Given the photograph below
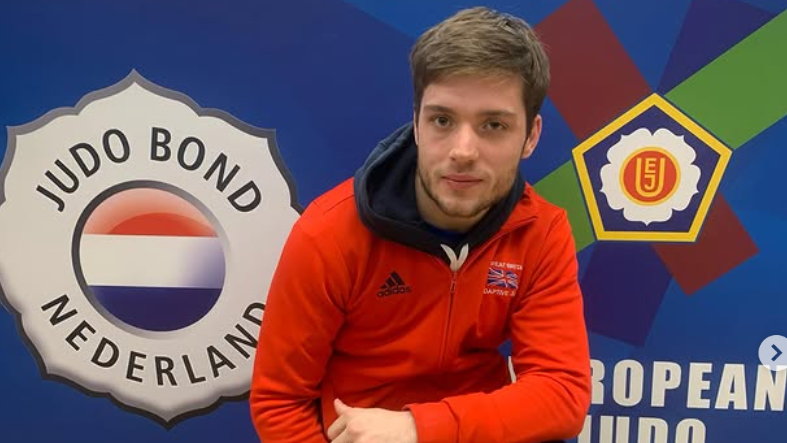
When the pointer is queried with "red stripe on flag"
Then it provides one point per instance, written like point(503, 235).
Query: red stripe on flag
point(174, 225)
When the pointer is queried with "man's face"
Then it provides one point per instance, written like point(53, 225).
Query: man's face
point(471, 133)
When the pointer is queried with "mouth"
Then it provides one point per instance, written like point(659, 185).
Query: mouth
point(461, 181)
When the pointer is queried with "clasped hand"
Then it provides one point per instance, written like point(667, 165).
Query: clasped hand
point(371, 425)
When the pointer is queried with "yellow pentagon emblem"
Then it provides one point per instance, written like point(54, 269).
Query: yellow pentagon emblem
point(650, 175)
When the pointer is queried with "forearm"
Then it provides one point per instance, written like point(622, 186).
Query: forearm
point(285, 420)
point(535, 409)
point(284, 394)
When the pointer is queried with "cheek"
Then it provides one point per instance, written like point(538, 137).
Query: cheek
point(424, 161)
point(502, 162)
point(429, 155)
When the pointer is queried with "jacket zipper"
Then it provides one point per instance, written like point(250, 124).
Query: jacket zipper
point(446, 328)
point(452, 289)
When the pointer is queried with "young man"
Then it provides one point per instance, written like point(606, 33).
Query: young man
point(396, 289)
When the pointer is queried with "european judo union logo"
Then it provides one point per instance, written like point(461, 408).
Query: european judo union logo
point(650, 175)
point(140, 233)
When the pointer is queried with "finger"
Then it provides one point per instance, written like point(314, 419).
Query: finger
point(344, 437)
point(340, 407)
point(337, 427)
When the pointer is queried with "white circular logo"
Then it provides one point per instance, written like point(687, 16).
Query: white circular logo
point(649, 176)
point(140, 234)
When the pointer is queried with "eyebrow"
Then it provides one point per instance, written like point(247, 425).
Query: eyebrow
point(486, 113)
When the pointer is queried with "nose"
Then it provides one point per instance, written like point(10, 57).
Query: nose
point(464, 148)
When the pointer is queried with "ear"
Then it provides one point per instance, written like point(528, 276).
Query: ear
point(415, 126)
point(532, 138)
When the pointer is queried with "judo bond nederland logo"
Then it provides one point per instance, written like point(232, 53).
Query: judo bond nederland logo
point(650, 175)
point(140, 233)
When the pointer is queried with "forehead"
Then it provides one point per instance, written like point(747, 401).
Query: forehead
point(476, 93)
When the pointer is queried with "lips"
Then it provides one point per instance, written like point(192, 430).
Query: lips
point(461, 181)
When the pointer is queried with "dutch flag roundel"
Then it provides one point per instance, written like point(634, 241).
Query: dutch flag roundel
point(151, 259)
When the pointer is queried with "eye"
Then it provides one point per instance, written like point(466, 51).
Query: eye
point(495, 125)
point(441, 121)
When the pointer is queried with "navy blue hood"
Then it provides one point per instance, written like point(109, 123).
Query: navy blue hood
point(385, 198)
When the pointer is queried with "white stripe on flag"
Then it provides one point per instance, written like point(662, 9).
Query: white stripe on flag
point(152, 261)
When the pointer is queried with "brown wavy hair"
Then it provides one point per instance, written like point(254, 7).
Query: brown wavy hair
point(482, 41)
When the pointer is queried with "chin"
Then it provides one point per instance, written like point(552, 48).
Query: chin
point(461, 209)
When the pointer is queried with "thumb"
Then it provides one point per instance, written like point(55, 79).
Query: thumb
point(340, 407)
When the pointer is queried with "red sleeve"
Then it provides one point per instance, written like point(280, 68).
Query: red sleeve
point(303, 314)
point(551, 396)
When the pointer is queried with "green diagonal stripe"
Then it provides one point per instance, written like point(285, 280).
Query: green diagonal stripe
point(744, 91)
point(561, 187)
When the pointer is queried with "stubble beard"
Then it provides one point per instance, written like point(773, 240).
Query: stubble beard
point(457, 207)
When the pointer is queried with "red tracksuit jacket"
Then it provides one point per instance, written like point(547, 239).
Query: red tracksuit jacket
point(378, 323)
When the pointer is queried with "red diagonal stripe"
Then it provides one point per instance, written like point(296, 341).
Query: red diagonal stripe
point(593, 78)
point(722, 246)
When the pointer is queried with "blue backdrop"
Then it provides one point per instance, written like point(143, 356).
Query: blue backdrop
point(331, 78)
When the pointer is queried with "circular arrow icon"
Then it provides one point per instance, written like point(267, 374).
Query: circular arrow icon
point(773, 352)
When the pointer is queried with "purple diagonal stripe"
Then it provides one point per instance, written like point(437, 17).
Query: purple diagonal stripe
point(711, 28)
point(623, 287)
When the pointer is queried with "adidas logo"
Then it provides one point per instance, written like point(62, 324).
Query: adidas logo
point(393, 285)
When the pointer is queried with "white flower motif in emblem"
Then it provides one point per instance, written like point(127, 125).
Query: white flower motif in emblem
point(650, 176)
